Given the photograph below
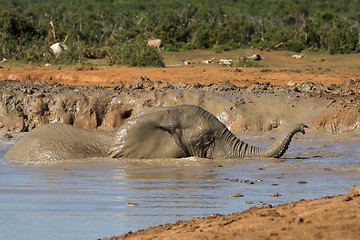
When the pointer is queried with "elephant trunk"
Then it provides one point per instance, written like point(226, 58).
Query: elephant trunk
point(235, 148)
point(277, 149)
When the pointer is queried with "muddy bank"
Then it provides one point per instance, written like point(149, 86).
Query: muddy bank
point(258, 107)
point(307, 219)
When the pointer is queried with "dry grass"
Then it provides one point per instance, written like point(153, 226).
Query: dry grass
point(311, 62)
point(314, 62)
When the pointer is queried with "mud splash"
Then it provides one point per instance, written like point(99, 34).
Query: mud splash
point(259, 107)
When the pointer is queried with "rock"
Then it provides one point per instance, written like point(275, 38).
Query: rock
point(131, 204)
point(7, 136)
point(354, 191)
point(236, 195)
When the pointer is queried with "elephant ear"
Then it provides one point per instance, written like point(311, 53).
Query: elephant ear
point(147, 137)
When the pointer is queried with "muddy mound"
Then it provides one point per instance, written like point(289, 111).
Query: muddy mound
point(258, 107)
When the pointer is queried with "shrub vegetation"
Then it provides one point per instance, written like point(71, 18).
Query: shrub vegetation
point(118, 29)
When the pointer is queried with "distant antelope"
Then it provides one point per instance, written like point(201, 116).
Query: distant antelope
point(157, 43)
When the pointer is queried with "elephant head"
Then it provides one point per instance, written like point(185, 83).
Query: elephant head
point(188, 130)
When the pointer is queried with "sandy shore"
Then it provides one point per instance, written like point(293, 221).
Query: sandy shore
point(336, 217)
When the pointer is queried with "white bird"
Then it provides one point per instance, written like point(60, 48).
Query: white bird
point(58, 48)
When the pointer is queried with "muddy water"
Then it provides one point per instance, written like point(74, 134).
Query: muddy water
point(103, 197)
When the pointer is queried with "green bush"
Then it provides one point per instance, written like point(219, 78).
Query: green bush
point(135, 54)
point(111, 29)
point(18, 35)
point(74, 55)
point(16, 27)
point(294, 45)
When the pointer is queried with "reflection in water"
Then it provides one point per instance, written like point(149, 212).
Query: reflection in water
point(104, 197)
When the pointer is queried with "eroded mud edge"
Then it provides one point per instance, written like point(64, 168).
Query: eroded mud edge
point(259, 107)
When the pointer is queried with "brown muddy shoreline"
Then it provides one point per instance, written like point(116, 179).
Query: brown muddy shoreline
point(257, 107)
point(336, 217)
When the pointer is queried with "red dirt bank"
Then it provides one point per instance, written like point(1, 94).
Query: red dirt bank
point(108, 76)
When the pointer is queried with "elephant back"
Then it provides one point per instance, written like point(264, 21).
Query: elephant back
point(59, 142)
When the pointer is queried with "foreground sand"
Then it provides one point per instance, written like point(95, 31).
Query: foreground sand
point(325, 218)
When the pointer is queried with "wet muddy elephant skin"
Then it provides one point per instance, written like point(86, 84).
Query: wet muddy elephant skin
point(59, 142)
point(188, 130)
point(169, 132)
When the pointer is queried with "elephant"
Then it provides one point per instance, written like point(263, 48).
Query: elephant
point(164, 132)
point(57, 142)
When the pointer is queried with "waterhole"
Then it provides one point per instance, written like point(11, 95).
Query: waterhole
point(104, 197)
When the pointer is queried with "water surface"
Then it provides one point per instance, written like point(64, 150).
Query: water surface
point(89, 200)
